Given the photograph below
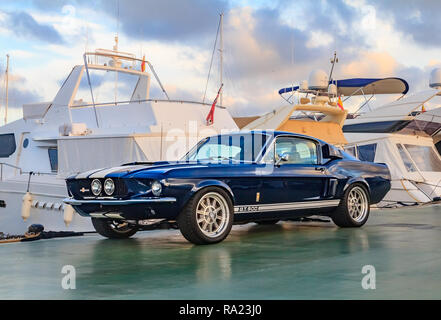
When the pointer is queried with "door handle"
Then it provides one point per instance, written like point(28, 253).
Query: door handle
point(321, 169)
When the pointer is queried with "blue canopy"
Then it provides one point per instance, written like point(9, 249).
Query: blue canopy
point(348, 87)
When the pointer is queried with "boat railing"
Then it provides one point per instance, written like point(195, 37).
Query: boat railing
point(116, 103)
point(20, 170)
point(3, 164)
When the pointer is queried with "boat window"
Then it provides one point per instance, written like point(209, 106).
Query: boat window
point(407, 161)
point(7, 145)
point(351, 151)
point(107, 86)
point(238, 147)
point(53, 159)
point(367, 152)
point(300, 151)
point(424, 157)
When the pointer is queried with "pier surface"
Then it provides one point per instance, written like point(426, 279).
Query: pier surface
point(290, 260)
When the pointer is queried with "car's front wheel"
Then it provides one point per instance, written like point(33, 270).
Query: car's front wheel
point(208, 217)
point(354, 208)
point(113, 229)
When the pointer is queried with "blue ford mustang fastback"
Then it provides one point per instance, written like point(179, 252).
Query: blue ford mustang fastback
point(242, 177)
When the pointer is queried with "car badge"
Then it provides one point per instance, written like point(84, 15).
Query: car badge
point(83, 190)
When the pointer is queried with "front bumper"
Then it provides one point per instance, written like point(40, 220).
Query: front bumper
point(111, 202)
point(130, 209)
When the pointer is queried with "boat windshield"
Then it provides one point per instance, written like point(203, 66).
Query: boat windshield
point(108, 86)
point(232, 147)
point(424, 157)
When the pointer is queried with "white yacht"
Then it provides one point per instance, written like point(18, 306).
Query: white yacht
point(102, 116)
point(400, 134)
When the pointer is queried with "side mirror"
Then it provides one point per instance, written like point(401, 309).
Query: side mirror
point(329, 152)
point(282, 158)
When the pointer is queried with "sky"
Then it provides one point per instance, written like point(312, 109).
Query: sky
point(268, 45)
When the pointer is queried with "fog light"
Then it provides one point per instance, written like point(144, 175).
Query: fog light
point(109, 187)
point(156, 188)
point(96, 187)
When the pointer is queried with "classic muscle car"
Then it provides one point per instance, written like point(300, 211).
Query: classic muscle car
point(228, 179)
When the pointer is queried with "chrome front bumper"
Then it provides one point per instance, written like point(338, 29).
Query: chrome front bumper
point(111, 202)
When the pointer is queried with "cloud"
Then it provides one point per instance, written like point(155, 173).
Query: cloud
point(370, 64)
point(418, 18)
point(24, 25)
point(172, 20)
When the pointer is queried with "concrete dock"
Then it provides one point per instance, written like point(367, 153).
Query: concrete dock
point(290, 260)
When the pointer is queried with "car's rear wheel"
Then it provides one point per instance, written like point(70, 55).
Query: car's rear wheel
point(113, 229)
point(354, 208)
point(208, 217)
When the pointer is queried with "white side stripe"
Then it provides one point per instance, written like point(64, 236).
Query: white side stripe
point(286, 206)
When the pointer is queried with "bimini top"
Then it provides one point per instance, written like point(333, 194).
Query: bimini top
point(361, 86)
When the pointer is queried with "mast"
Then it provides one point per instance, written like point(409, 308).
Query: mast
point(333, 62)
point(7, 88)
point(221, 52)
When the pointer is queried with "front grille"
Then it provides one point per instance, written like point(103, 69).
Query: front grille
point(80, 188)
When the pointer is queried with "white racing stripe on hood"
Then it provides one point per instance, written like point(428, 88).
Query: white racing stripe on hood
point(85, 175)
point(104, 172)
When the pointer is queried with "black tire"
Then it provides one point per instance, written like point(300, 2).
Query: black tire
point(108, 228)
point(342, 216)
point(267, 222)
point(188, 218)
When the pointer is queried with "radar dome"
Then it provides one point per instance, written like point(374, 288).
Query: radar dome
point(435, 78)
point(318, 80)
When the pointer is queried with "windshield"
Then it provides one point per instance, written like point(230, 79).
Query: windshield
point(424, 157)
point(235, 147)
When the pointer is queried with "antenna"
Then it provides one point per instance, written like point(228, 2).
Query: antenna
point(221, 51)
point(7, 88)
point(334, 60)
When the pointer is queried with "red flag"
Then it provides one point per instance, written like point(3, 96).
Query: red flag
point(210, 117)
point(143, 64)
point(340, 103)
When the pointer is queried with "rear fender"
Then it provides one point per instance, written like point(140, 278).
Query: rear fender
point(357, 180)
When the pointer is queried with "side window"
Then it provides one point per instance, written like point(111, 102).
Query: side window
point(407, 161)
point(7, 145)
point(53, 159)
point(300, 151)
point(367, 152)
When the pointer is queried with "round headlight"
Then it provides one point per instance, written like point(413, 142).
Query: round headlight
point(109, 187)
point(156, 188)
point(96, 187)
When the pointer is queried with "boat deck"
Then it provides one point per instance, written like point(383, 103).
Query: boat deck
point(290, 260)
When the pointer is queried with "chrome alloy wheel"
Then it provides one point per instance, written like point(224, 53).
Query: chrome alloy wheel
point(212, 214)
point(358, 205)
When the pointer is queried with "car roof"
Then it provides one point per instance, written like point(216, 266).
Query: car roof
point(276, 133)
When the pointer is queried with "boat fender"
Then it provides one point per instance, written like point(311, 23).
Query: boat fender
point(26, 206)
point(68, 214)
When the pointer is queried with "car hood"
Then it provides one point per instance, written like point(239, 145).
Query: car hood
point(161, 170)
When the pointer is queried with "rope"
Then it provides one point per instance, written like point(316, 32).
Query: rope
point(404, 187)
